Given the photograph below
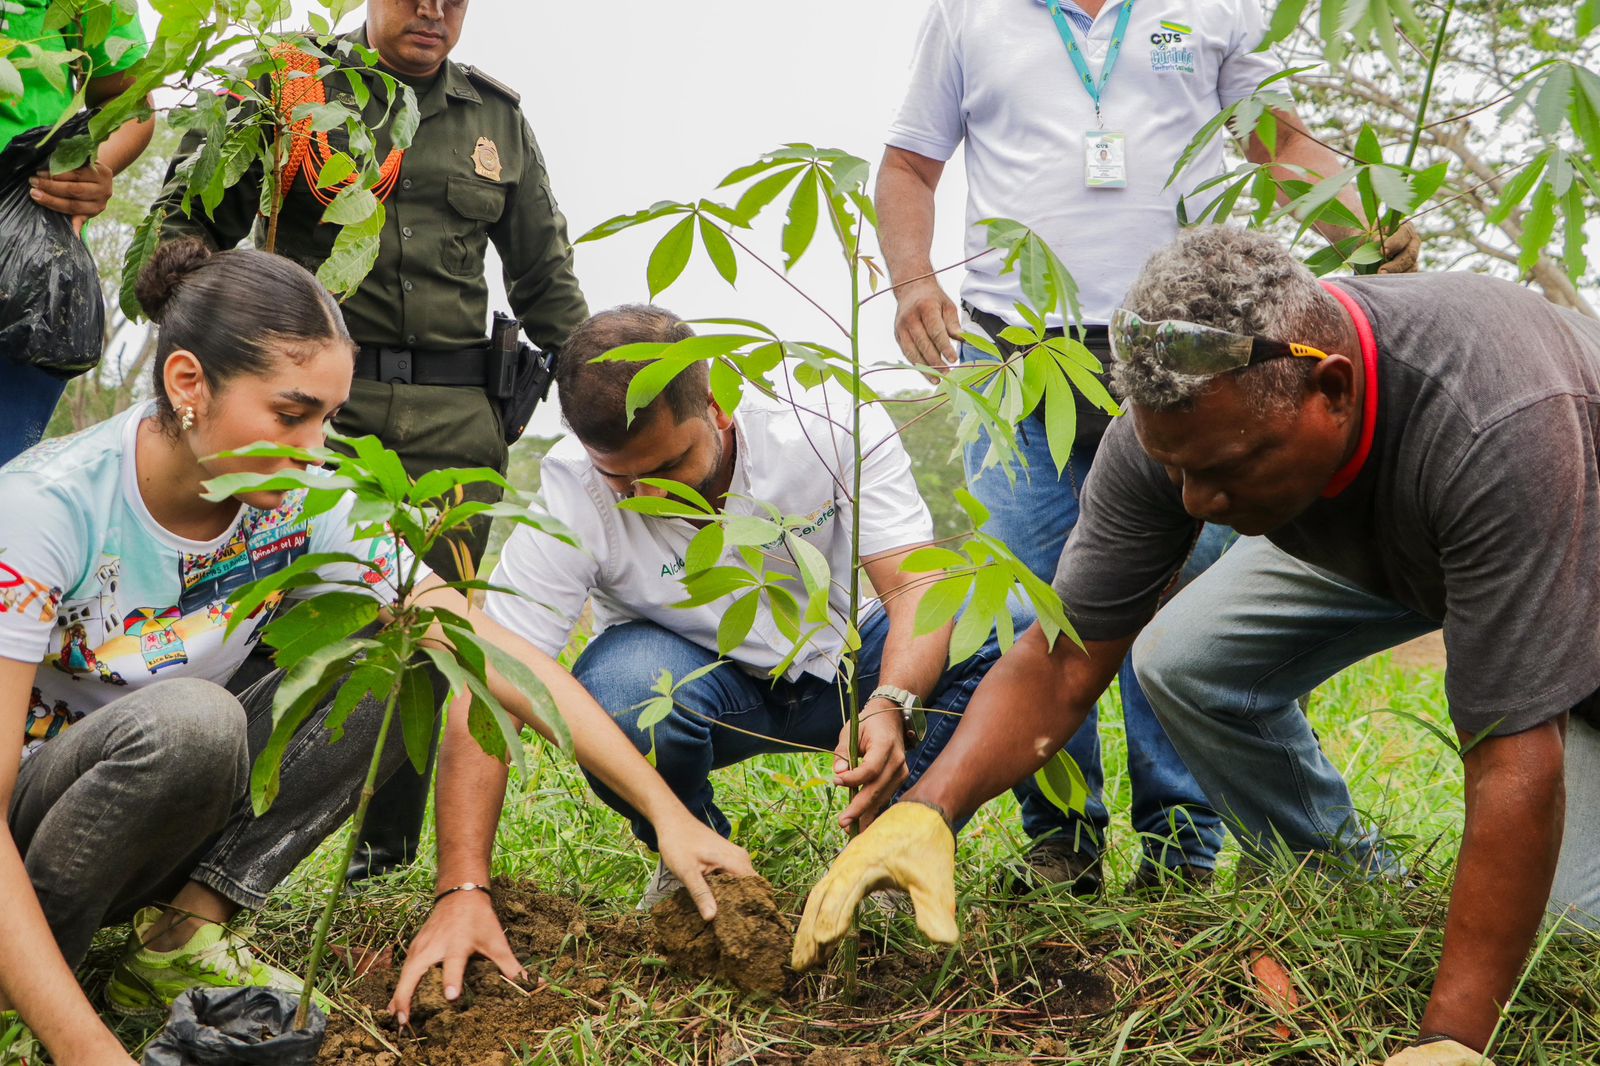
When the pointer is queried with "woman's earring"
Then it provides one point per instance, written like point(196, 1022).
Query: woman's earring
point(186, 420)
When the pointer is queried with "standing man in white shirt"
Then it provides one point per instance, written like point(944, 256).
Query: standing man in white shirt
point(1074, 113)
point(629, 565)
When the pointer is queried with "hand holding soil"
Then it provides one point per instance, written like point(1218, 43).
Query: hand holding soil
point(692, 850)
point(745, 944)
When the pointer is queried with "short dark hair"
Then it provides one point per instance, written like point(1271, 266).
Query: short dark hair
point(235, 311)
point(594, 396)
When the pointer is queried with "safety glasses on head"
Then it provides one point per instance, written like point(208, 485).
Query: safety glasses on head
point(1190, 348)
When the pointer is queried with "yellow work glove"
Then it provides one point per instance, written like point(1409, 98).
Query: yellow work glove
point(909, 847)
point(1439, 1053)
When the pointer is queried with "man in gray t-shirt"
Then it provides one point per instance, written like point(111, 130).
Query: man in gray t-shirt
point(1401, 454)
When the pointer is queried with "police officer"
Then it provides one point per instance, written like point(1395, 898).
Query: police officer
point(472, 175)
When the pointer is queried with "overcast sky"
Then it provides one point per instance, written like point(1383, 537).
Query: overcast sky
point(635, 102)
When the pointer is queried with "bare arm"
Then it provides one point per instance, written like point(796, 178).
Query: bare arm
point(34, 979)
point(1025, 709)
point(914, 663)
point(1515, 802)
point(927, 324)
point(84, 193)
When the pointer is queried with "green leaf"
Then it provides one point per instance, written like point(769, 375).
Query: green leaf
point(1393, 188)
point(418, 714)
point(1285, 20)
point(736, 621)
point(1538, 227)
point(335, 170)
point(941, 601)
point(758, 196)
point(146, 238)
point(1063, 784)
point(354, 205)
point(653, 711)
point(1518, 188)
point(248, 599)
point(354, 252)
point(720, 250)
point(727, 385)
point(1550, 106)
point(801, 224)
point(752, 531)
point(618, 223)
point(669, 258)
point(648, 383)
point(298, 694)
point(521, 678)
point(976, 511)
point(924, 560)
point(712, 584)
point(314, 622)
point(705, 550)
point(1060, 420)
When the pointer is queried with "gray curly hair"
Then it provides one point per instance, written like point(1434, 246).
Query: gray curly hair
point(1242, 281)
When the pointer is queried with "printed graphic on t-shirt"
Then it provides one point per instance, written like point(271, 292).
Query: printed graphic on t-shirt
point(1171, 49)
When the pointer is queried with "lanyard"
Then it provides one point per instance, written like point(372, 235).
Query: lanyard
point(1075, 53)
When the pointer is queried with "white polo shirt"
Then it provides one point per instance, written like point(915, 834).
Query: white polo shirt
point(631, 564)
point(996, 74)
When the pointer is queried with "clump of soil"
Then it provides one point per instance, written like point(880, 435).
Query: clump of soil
point(747, 944)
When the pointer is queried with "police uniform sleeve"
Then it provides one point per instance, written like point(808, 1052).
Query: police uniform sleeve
point(232, 219)
point(531, 237)
point(1132, 537)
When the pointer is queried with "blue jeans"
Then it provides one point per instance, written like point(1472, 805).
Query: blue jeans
point(30, 399)
point(620, 666)
point(1225, 665)
point(1034, 518)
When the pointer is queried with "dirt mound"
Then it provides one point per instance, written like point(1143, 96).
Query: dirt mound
point(570, 962)
point(747, 944)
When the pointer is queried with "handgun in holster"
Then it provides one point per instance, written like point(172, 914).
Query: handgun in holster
point(519, 375)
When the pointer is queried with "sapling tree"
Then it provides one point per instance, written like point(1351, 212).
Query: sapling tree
point(373, 639)
point(748, 553)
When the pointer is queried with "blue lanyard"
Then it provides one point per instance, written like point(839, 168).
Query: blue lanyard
point(1075, 53)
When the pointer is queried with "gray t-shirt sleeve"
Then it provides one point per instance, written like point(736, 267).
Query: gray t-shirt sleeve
point(1519, 555)
point(1132, 536)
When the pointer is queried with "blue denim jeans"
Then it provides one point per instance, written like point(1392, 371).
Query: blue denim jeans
point(727, 715)
point(1034, 518)
point(31, 398)
point(1225, 665)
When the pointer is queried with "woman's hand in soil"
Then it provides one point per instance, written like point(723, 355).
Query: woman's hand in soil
point(462, 925)
point(910, 847)
point(691, 849)
point(882, 769)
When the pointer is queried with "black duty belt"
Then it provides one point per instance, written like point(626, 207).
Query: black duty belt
point(416, 366)
point(1095, 338)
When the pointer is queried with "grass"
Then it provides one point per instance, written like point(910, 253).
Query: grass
point(1122, 980)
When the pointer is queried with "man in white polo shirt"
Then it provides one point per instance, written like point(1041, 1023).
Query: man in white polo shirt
point(629, 565)
point(1073, 115)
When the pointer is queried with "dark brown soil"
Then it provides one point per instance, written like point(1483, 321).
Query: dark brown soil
point(569, 961)
point(747, 944)
point(579, 968)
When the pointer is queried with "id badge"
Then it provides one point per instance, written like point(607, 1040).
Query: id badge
point(1105, 160)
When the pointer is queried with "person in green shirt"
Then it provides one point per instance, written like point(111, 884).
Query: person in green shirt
point(473, 176)
point(102, 72)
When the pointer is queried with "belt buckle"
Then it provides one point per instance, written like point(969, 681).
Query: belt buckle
point(396, 365)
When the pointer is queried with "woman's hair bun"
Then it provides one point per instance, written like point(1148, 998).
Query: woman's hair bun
point(165, 271)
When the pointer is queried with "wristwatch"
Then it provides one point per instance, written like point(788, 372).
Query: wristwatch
point(914, 718)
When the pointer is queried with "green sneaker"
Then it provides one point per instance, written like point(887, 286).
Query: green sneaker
point(17, 1045)
point(146, 982)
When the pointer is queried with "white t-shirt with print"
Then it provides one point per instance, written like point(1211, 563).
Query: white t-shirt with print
point(995, 74)
point(631, 565)
point(104, 599)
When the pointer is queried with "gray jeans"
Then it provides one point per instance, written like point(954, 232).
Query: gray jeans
point(153, 790)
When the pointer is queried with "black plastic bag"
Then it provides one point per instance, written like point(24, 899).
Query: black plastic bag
point(252, 1026)
point(52, 314)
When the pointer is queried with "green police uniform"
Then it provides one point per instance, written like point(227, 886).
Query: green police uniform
point(427, 292)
